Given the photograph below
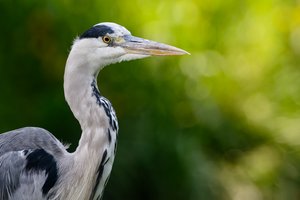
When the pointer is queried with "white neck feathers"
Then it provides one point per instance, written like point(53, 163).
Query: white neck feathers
point(98, 123)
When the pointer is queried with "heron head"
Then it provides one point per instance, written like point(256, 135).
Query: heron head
point(107, 43)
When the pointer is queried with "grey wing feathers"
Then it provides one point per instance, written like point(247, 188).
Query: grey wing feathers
point(11, 165)
point(28, 168)
point(30, 138)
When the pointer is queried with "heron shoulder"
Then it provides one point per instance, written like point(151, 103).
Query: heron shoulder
point(30, 138)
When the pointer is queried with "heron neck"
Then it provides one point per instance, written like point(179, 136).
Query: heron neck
point(83, 96)
point(97, 145)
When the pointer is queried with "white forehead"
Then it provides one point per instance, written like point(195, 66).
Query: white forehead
point(118, 29)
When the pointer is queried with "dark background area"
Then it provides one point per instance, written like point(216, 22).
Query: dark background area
point(222, 123)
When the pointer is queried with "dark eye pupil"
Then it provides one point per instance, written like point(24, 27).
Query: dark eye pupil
point(106, 39)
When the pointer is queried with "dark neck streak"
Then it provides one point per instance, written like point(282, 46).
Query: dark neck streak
point(96, 92)
point(103, 102)
point(106, 156)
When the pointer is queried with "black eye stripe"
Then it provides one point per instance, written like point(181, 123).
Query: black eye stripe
point(97, 31)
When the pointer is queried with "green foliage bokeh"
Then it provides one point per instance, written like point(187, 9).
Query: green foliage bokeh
point(222, 123)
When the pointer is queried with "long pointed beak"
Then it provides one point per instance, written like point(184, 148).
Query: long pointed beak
point(136, 45)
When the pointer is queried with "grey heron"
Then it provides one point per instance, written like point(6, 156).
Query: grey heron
point(34, 165)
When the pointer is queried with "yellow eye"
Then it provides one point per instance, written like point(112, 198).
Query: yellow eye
point(106, 39)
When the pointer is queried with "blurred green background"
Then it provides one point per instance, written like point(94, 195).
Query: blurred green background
point(223, 123)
